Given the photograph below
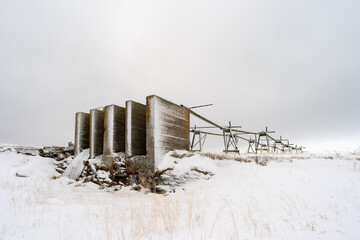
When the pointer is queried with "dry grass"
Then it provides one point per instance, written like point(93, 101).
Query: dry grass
point(155, 216)
point(192, 215)
point(257, 158)
point(213, 156)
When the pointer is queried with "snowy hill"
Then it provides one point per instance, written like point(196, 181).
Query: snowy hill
point(292, 197)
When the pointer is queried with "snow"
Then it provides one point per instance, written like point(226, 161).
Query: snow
point(25, 165)
point(293, 197)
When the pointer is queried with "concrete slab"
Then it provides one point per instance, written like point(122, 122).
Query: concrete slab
point(82, 132)
point(114, 134)
point(167, 129)
point(76, 165)
point(96, 132)
point(135, 129)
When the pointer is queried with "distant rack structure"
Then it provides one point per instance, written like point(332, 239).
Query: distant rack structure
point(257, 141)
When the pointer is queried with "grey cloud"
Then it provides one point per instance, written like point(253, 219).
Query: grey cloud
point(289, 65)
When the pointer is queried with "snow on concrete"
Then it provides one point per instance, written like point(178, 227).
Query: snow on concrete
point(290, 198)
point(76, 165)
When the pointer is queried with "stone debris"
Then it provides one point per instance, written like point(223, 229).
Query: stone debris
point(63, 164)
point(108, 173)
point(169, 182)
point(58, 153)
point(119, 170)
point(26, 150)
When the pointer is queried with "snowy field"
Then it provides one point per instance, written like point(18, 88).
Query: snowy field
point(310, 198)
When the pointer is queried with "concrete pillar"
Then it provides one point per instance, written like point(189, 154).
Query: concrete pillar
point(96, 132)
point(114, 134)
point(82, 132)
point(167, 129)
point(135, 129)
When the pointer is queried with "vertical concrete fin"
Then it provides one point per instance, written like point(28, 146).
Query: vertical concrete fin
point(135, 129)
point(167, 128)
point(96, 132)
point(114, 134)
point(82, 132)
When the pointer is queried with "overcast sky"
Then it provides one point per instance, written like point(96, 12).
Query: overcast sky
point(293, 66)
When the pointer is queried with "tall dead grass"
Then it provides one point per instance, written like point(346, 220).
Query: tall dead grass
point(211, 155)
point(153, 217)
point(192, 216)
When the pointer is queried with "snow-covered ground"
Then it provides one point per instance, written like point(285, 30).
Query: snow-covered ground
point(310, 198)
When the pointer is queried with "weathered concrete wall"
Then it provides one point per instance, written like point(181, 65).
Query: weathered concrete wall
point(135, 129)
point(167, 129)
point(82, 132)
point(114, 134)
point(96, 132)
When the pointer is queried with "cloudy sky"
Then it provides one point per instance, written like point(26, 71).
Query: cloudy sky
point(291, 65)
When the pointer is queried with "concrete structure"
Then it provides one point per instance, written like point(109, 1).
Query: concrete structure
point(114, 134)
point(82, 133)
point(167, 129)
point(96, 132)
point(152, 130)
point(135, 129)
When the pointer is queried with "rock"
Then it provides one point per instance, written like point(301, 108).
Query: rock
point(137, 188)
point(52, 152)
point(59, 170)
point(102, 167)
point(26, 150)
point(20, 175)
point(202, 171)
point(129, 180)
point(160, 190)
point(101, 174)
point(60, 156)
point(90, 168)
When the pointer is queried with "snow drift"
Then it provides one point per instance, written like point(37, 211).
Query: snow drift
point(316, 197)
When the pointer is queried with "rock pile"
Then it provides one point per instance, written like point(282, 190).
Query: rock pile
point(108, 174)
point(116, 171)
point(27, 150)
point(58, 153)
